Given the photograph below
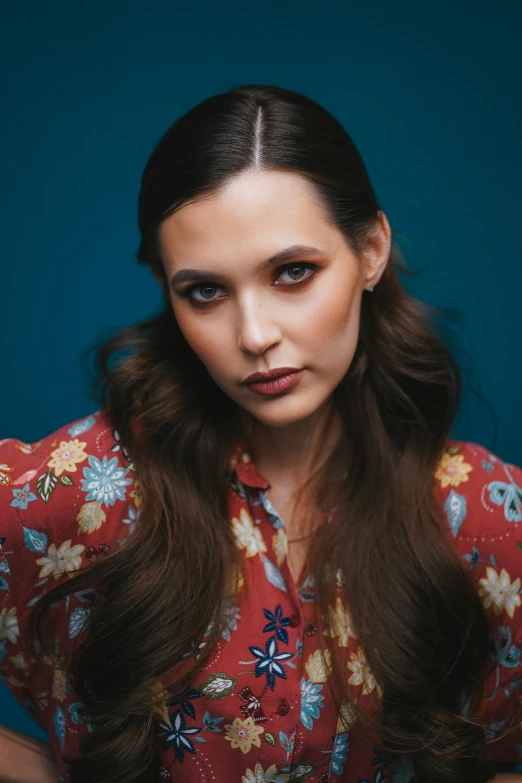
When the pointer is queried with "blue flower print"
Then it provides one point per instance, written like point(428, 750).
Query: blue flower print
point(268, 662)
point(105, 482)
point(22, 497)
point(177, 735)
point(277, 621)
point(311, 702)
point(339, 753)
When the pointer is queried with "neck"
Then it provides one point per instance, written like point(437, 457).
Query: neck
point(293, 451)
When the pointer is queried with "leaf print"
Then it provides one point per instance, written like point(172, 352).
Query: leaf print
point(46, 485)
point(270, 738)
point(211, 723)
point(315, 666)
point(90, 517)
point(59, 725)
point(503, 652)
point(76, 709)
point(23, 479)
point(82, 426)
point(66, 481)
point(184, 700)
point(301, 771)
point(510, 495)
point(361, 673)
point(273, 574)
point(280, 545)
point(105, 481)
point(268, 662)
point(5, 479)
point(22, 497)
point(77, 621)
point(339, 753)
point(455, 508)
point(35, 541)
point(218, 685)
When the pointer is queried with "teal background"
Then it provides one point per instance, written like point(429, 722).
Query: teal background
point(430, 93)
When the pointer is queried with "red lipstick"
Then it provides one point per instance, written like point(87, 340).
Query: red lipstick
point(273, 381)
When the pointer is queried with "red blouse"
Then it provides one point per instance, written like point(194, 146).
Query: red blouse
point(260, 711)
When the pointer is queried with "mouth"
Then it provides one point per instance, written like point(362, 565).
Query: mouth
point(263, 377)
point(277, 384)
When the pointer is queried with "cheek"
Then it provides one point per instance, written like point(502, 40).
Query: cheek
point(207, 343)
point(332, 321)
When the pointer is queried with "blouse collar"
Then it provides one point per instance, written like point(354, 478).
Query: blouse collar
point(241, 463)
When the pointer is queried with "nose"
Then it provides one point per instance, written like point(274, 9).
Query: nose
point(258, 327)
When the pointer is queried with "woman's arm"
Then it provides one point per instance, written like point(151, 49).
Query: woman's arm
point(24, 759)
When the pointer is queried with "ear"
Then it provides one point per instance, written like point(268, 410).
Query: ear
point(377, 251)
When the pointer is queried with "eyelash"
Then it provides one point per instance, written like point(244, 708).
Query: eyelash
point(188, 291)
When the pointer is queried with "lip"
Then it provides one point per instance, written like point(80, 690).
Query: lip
point(263, 377)
point(276, 385)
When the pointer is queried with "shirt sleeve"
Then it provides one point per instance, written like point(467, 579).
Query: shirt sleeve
point(64, 502)
point(493, 551)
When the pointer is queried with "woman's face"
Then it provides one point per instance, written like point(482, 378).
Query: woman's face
point(244, 315)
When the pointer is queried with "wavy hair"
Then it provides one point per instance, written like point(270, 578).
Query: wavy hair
point(427, 648)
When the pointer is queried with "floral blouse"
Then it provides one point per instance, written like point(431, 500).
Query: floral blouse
point(260, 711)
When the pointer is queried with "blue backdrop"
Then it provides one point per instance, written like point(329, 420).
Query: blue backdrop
point(425, 89)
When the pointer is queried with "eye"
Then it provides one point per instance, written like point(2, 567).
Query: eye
point(207, 289)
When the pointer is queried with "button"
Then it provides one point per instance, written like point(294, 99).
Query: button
point(310, 630)
point(294, 620)
point(283, 708)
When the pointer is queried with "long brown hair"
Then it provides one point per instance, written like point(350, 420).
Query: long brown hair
point(416, 612)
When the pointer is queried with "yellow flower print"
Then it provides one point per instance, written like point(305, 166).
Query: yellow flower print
point(280, 545)
point(90, 517)
point(58, 561)
point(258, 775)
point(59, 686)
point(136, 494)
point(315, 666)
point(361, 673)
point(19, 661)
point(243, 734)
point(452, 470)
point(248, 536)
point(67, 455)
point(500, 591)
point(9, 625)
point(339, 623)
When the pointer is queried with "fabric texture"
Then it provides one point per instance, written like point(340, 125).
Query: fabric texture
point(260, 711)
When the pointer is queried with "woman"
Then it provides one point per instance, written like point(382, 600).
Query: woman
point(263, 559)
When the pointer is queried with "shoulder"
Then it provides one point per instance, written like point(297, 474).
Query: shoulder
point(480, 493)
point(64, 499)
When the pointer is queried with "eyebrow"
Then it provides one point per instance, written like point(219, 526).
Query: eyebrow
point(288, 254)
